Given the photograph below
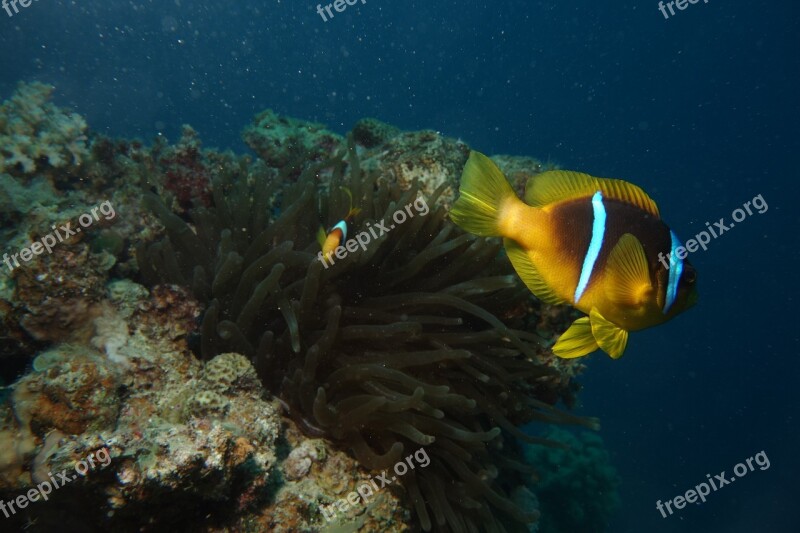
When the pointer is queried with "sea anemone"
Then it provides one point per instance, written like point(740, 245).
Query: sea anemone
point(416, 339)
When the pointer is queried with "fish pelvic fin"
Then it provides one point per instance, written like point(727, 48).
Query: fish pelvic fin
point(611, 338)
point(589, 333)
point(484, 190)
point(577, 341)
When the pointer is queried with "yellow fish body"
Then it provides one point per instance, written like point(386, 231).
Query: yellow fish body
point(594, 243)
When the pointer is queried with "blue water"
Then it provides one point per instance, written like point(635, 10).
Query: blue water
point(700, 109)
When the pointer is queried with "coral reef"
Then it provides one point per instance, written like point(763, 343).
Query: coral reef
point(424, 157)
point(34, 133)
point(17, 198)
point(576, 485)
point(289, 143)
point(396, 347)
point(371, 133)
point(309, 379)
point(191, 445)
point(185, 174)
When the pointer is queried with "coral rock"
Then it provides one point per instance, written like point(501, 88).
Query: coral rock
point(283, 141)
point(35, 133)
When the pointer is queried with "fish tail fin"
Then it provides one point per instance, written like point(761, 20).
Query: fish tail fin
point(484, 190)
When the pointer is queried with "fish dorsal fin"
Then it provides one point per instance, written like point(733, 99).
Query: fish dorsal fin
point(611, 338)
point(577, 341)
point(628, 274)
point(529, 274)
point(559, 185)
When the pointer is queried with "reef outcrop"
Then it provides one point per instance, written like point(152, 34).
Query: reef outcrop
point(238, 383)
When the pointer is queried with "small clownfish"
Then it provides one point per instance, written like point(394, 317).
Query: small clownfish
point(592, 243)
point(337, 234)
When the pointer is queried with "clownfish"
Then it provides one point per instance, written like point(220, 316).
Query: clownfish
point(336, 234)
point(592, 243)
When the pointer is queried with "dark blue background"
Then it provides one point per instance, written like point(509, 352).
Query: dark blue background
point(701, 110)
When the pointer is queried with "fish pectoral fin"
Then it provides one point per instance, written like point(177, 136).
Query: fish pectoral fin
point(530, 275)
point(611, 338)
point(628, 274)
point(577, 341)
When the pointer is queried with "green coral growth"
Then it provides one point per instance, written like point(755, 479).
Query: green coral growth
point(35, 133)
point(577, 485)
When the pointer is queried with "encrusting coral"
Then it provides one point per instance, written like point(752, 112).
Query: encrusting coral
point(417, 339)
point(34, 132)
point(287, 143)
point(192, 445)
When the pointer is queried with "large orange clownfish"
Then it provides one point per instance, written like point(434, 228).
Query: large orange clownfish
point(592, 243)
